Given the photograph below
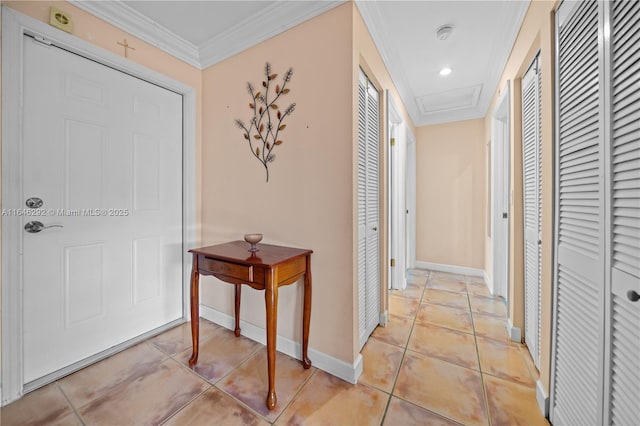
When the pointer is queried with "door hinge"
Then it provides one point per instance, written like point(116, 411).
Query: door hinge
point(42, 40)
point(393, 262)
point(393, 141)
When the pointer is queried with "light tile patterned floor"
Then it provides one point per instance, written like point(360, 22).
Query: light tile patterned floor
point(444, 359)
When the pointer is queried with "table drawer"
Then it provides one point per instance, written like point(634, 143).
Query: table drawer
point(234, 270)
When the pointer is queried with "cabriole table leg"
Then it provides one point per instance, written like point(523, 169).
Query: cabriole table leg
point(306, 314)
point(271, 299)
point(195, 310)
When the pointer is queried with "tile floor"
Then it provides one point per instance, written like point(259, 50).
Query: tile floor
point(444, 359)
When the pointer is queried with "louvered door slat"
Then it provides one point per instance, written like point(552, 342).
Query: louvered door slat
point(584, 112)
point(588, 80)
point(574, 390)
point(626, 61)
point(582, 132)
point(579, 38)
point(624, 342)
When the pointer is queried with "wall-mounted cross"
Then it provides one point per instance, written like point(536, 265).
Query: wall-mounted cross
point(126, 47)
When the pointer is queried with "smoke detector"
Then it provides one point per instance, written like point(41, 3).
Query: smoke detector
point(444, 31)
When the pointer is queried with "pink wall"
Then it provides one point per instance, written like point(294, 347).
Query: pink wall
point(307, 202)
point(450, 200)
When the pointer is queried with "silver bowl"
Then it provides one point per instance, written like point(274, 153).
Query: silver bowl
point(253, 239)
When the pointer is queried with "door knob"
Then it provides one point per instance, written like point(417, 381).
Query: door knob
point(375, 228)
point(36, 226)
point(633, 295)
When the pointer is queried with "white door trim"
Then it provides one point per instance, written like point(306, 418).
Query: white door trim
point(411, 198)
point(397, 216)
point(14, 26)
point(500, 193)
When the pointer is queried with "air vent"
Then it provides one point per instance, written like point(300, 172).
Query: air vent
point(449, 100)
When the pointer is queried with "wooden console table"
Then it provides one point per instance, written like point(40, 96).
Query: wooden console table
point(269, 268)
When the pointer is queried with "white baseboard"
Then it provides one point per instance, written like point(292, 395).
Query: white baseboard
point(489, 281)
point(334, 366)
point(384, 318)
point(474, 272)
point(542, 398)
point(515, 333)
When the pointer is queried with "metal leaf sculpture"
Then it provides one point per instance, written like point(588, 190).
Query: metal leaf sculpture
point(263, 132)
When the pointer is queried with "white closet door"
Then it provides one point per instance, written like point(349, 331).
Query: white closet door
point(580, 250)
point(624, 344)
point(531, 152)
point(362, 206)
point(373, 210)
point(368, 208)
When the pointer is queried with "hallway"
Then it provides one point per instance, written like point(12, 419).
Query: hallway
point(444, 353)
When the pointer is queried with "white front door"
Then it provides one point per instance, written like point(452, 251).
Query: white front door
point(103, 151)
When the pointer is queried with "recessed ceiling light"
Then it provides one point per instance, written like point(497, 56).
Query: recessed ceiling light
point(445, 71)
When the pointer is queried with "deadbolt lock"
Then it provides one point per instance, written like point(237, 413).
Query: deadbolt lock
point(34, 202)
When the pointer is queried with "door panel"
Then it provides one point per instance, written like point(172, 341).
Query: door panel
point(83, 283)
point(373, 210)
point(624, 344)
point(368, 209)
point(362, 209)
point(597, 341)
point(531, 163)
point(580, 227)
point(103, 150)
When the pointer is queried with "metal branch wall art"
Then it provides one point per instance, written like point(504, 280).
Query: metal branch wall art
point(263, 132)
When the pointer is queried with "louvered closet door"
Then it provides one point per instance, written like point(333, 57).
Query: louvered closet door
point(362, 205)
point(579, 320)
point(624, 343)
point(532, 206)
point(373, 205)
point(368, 209)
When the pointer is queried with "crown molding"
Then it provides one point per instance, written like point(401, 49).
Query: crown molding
point(254, 29)
point(260, 27)
point(513, 22)
point(374, 21)
point(451, 116)
point(138, 25)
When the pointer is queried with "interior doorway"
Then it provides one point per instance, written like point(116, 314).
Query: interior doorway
point(410, 188)
point(500, 194)
point(398, 243)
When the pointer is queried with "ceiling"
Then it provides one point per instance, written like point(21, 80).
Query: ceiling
point(203, 33)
